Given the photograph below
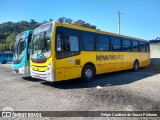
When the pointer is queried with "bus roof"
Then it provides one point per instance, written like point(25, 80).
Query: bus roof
point(96, 31)
point(45, 24)
point(92, 30)
point(23, 34)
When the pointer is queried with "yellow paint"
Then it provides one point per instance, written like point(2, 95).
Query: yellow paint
point(41, 67)
point(59, 74)
point(65, 70)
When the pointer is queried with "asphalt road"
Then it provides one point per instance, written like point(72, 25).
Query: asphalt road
point(125, 90)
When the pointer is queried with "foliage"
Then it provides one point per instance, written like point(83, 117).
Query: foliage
point(10, 42)
point(9, 30)
point(78, 22)
point(61, 19)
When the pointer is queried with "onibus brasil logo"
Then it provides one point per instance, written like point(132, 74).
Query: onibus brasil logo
point(7, 112)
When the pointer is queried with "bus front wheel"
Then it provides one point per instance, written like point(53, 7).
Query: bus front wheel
point(135, 66)
point(88, 73)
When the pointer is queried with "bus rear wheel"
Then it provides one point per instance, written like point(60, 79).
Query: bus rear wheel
point(4, 62)
point(88, 73)
point(135, 66)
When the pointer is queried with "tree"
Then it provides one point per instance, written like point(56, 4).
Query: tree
point(2, 48)
point(32, 21)
point(61, 19)
point(68, 20)
point(10, 41)
point(50, 20)
point(79, 22)
point(8, 30)
point(45, 21)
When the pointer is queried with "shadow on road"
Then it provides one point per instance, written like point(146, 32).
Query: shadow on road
point(108, 79)
point(104, 80)
point(29, 78)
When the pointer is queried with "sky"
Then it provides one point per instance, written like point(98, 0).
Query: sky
point(139, 18)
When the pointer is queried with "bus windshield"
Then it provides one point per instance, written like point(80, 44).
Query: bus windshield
point(41, 42)
point(19, 49)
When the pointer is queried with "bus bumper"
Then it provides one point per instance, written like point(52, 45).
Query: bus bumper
point(22, 70)
point(47, 75)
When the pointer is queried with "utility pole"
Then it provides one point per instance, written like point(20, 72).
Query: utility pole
point(119, 22)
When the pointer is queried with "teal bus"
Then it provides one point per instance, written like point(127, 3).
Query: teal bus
point(21, 53)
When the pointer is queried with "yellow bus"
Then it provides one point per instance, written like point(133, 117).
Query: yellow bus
point(63, 51)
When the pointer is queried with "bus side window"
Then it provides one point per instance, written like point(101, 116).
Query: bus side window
point(89, 41)
point(73, 43)
point(59, 42)
point(116, 44)
point(67, 43)
point(3, 55)
point(147, 47)
point(29, 46)
point(62, 43)
point(127, 45)
point(142, 46)
point(135, 46)
point(102, 43)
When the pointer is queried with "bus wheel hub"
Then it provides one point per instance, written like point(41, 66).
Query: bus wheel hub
point(88, 73)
